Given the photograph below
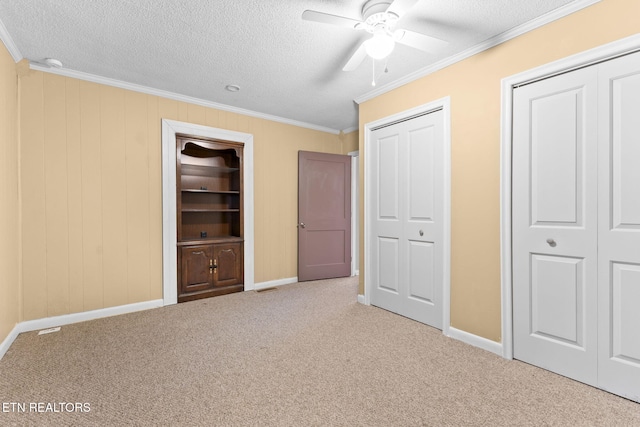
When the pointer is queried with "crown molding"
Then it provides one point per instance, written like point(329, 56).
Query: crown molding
point(175, 96)
point(538, 22)
point(9, 43)
point(351, 129)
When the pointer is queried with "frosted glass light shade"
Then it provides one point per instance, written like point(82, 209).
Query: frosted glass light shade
point(379, 46)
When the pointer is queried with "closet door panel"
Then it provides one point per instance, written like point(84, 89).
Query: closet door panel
point(423, 224)
point(555, 224)
point(619, 227)
point(387, 218)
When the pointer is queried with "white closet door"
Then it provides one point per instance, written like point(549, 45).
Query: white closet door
point(422, 238)
point(555, 224)
point(408, 214)
point(386, 227)
point(619, 227)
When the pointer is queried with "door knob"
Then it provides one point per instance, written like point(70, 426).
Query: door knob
point(302, 225)
point(551, 242)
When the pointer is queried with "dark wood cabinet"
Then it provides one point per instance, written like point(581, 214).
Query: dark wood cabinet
point(227, 262)
point(210, 218)
point(196, 265)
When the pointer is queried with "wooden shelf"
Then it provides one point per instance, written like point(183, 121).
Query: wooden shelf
point(208, 191)
point(210, 240)
point(200, 170)
point(209, 210)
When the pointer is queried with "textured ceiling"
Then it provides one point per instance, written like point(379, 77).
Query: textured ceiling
point(285, 66)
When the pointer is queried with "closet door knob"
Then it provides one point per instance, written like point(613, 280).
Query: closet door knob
point(302, 225)
point(551, 242)
point(421, 233)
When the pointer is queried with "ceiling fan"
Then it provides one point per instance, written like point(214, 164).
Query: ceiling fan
point(379, 18)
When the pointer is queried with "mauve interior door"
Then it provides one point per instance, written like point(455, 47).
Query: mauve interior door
point(324, 215)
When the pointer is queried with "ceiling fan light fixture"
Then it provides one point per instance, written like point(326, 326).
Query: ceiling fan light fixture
point(380, 45)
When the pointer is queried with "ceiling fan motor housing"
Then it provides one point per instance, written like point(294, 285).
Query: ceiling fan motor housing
point(375, 15)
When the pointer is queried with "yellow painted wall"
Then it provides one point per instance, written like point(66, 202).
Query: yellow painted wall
point(9, 196)
point(474, 88)
point(91, 190)
point(349, 142)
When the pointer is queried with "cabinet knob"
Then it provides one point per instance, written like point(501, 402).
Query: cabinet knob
point(551, 242)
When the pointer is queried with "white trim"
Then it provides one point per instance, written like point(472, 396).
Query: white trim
point(475, 340)
point(598, 54)
point(361, 299)
point(67, 319)
point(446, 220)
point(355, 217)
point(175, 96)
point(505, 222)
point(4, 346)
point(275, 283)
point(169, 227)
point(538, 22)
point(445, 105)
point(349, 130)
point(10, 45)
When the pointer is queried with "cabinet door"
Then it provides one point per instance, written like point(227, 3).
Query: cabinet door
point(197, 269)
point(228, 261)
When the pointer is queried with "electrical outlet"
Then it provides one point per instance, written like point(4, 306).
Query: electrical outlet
point(49, 331)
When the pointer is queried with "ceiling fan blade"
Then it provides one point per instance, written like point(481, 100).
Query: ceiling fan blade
point(419, 41)
point(399, 7)
point(356, 59)
point(326, 18)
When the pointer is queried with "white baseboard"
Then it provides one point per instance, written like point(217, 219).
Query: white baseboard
point(67, 319)
point(274, 283)
point(361, 298)
point(8, 341)
point(476, 341)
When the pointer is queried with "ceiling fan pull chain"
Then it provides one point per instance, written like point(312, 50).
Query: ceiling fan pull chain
point(373, 63)
point(373, 79)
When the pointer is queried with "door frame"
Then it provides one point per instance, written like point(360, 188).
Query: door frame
point(439, 104)
point(169, 234)
point(589, 57)
point(355, 212)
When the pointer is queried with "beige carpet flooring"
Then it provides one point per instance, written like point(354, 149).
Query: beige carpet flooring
point(305, 354)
